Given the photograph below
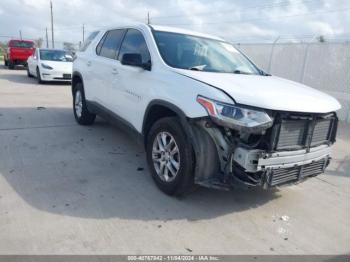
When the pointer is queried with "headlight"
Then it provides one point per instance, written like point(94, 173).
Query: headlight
point(236, 117)
point(46, 66)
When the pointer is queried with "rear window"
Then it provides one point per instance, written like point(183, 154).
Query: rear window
point(88, 41)
point(22, 44)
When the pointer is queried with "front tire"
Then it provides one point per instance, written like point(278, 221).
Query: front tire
point(170, 157)
point(38, 76)
point(81, 112)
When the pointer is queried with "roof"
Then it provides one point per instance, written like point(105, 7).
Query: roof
point(165, 29)
point(51, 49)
point(184, 31)
point(22, 40)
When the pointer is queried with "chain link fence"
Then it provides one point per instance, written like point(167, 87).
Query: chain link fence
point(324, 66)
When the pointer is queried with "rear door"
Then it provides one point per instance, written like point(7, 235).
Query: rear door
point(104, 73)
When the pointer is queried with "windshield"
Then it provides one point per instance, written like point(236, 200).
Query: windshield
point(202, 54)
point(22, 44)
point(55, 55)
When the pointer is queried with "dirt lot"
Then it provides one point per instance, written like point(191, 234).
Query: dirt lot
point(86, 190)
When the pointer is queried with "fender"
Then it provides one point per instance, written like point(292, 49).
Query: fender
point(207, 162)
point(183, 118)
point(195, 79)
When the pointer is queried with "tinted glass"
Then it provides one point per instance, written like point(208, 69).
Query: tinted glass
point(55, 55)
point(99, 46)
point(202, 54)
point(111, 43)
point(88, 41)
point(22, 44)
point(134, 42)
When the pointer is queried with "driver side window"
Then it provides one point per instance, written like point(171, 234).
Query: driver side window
point(134, 42)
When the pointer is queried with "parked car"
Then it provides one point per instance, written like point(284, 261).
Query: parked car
point(206, 113)
point(50, 65)
point(18, 52)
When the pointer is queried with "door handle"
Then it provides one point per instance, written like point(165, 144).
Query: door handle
point(88, 63)
point(114, 71)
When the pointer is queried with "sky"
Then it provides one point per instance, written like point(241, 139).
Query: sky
point(238, 21)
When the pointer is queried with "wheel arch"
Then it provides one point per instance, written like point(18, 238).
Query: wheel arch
point(206, 159)
point(76, 78)
point(158, 109)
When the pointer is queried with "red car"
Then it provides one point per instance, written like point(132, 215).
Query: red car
point(18, 52)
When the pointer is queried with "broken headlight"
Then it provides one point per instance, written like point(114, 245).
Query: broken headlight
point(236, 117)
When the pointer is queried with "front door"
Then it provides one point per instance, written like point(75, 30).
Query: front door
point(133, 83)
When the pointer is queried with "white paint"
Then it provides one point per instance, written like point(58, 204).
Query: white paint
point(129, 92)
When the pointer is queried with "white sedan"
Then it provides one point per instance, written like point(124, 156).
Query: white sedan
point(50, 65)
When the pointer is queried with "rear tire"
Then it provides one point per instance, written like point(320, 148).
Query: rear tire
point(81, 112)
point(11, 65)
point(167, 148)
point(28, 73)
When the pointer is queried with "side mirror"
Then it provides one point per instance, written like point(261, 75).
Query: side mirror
point(134, 59)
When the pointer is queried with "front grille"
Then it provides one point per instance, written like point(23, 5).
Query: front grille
point(297, 132)
point(293, 174)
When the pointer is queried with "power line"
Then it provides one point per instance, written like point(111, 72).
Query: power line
point(264, 6)
point(283, 38)
point(259, 19)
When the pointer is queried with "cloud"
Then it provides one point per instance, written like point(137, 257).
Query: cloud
point(323, 28)
point(251, 20)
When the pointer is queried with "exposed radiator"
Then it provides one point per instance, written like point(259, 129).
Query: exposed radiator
point(288, 175)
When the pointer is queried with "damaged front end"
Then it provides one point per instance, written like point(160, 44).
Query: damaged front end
point(260, 148)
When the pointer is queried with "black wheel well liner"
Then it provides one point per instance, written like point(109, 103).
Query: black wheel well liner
point(158, 109)
point(76, 78)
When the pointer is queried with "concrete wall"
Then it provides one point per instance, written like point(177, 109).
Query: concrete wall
point(324, 66)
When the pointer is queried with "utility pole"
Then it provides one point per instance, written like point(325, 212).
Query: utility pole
point(47, 39)
point(83, 33)
point(148, 19)
point(52, 34)
point(20, 34)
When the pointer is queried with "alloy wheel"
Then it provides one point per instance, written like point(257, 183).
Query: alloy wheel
point(166, 156)
point(78, 103)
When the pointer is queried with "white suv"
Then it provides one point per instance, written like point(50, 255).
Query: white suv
point(206, 113)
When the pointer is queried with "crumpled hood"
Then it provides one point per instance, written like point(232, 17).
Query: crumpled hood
point(268, 92)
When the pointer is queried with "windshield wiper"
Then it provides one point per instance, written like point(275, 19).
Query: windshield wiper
point(197, 68)
point(264, 73)
point(241, 72)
